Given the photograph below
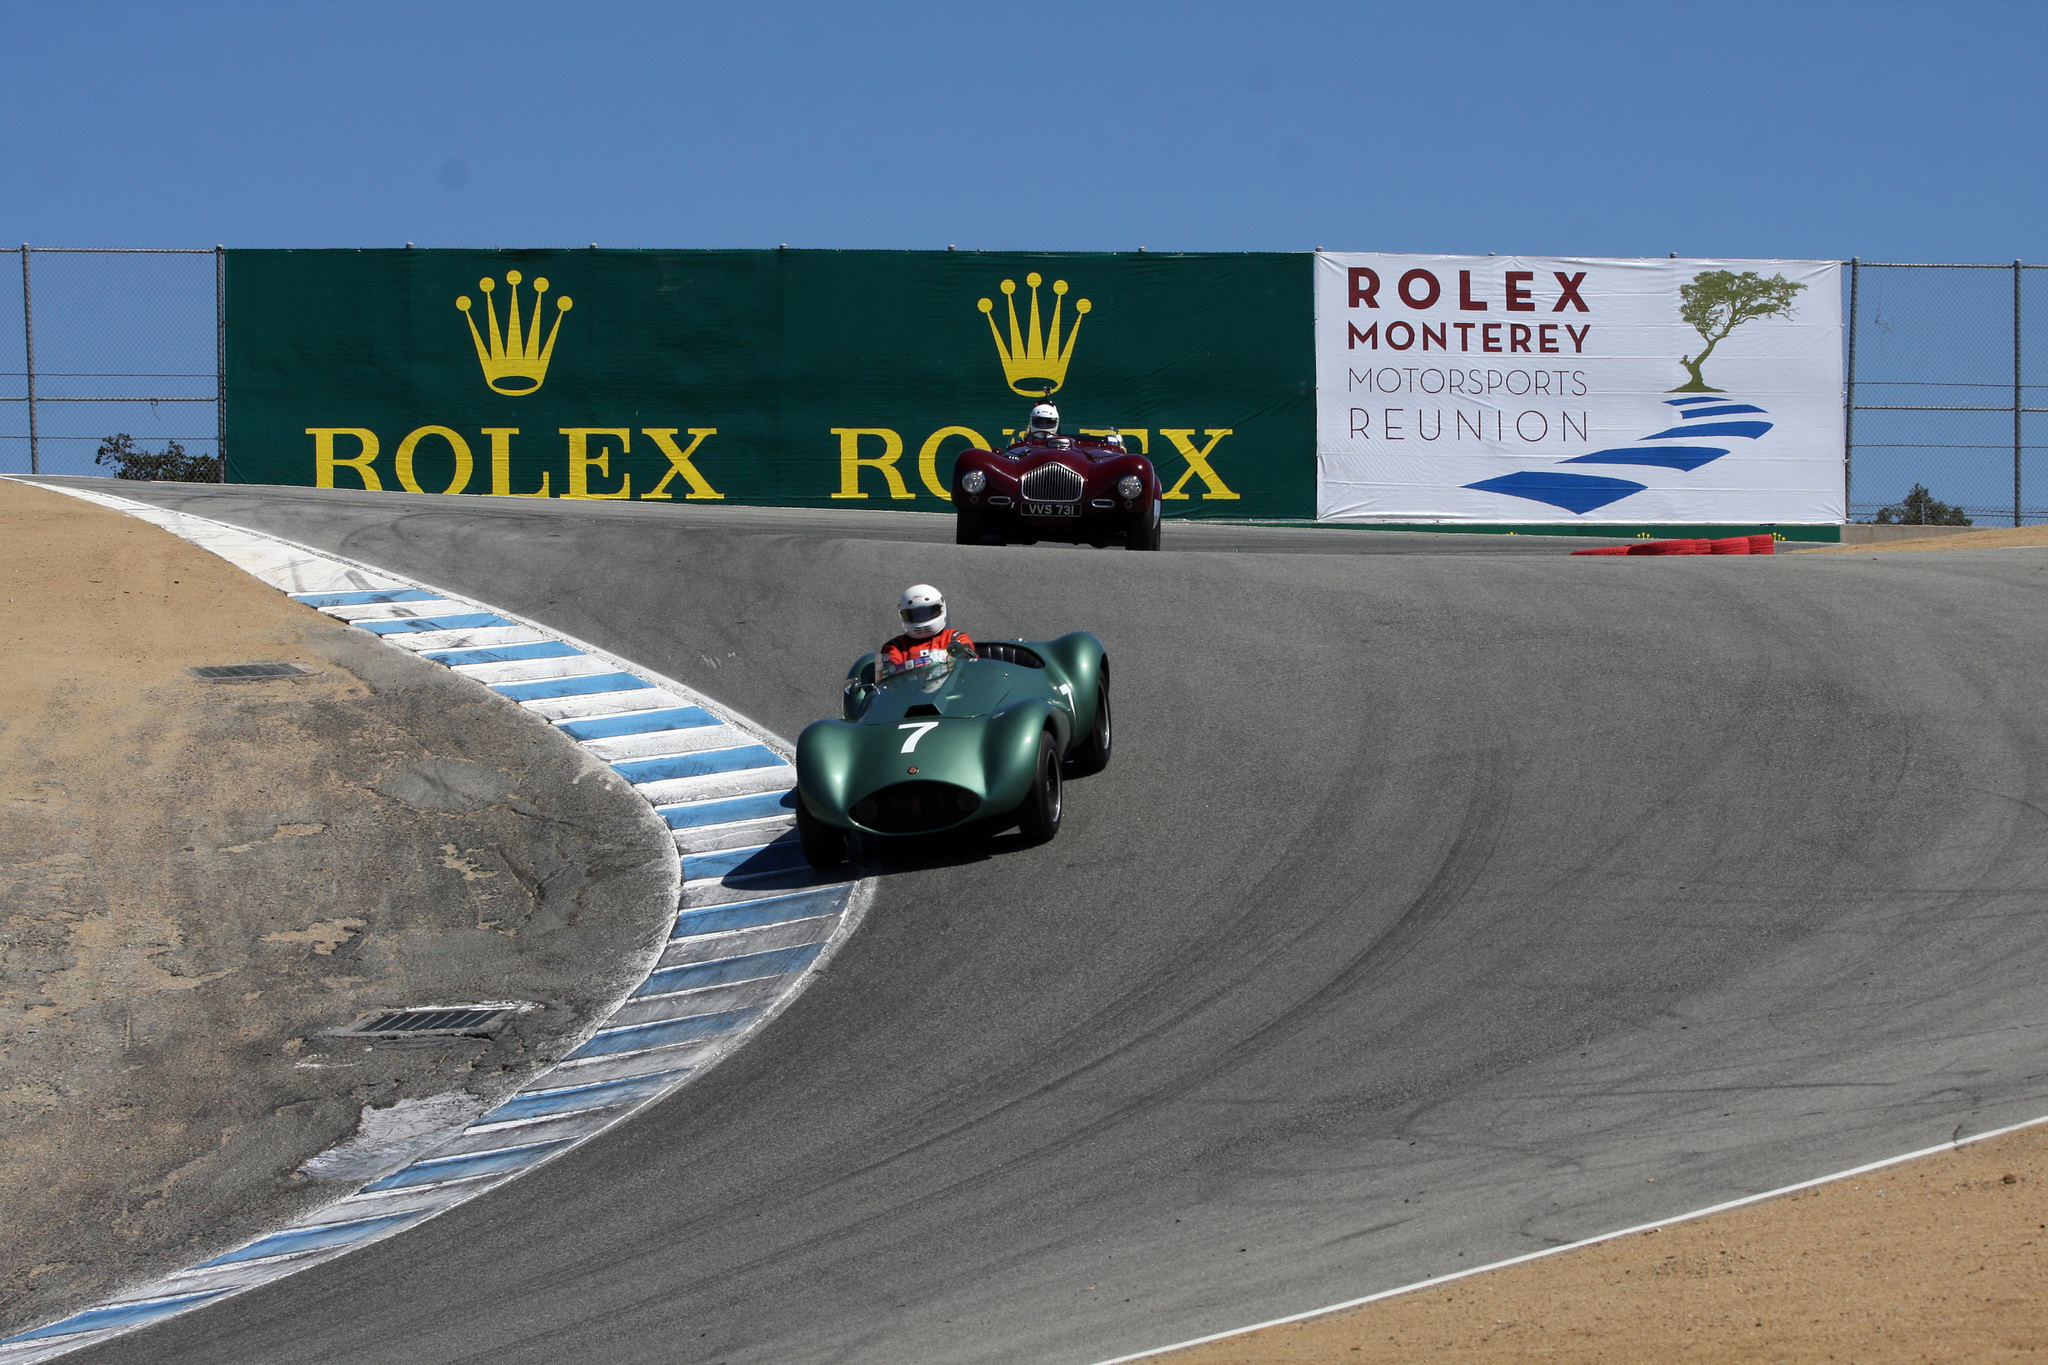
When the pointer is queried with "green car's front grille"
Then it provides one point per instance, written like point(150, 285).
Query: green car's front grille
point(915, 807)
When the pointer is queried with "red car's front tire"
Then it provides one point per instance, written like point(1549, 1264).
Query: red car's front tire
point(1144, 535)
point(968, 529)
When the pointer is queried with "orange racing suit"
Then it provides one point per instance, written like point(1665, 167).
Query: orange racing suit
point(907, 651)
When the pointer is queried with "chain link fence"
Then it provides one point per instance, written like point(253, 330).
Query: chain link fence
point(109, 341)
point(1942, 390)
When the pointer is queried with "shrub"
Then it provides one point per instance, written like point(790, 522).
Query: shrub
point(131, 461)
point(1920, 509)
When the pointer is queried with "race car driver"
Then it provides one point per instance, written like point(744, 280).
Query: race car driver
point(926, 639)
point(1044, 424)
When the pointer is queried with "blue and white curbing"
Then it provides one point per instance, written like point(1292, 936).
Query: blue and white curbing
point(753, 925)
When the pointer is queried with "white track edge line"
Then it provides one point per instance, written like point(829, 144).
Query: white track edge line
point(1952, 1145)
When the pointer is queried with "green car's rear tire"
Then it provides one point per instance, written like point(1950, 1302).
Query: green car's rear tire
point(824, 845)
point(1039, 817)
point(1091, 755)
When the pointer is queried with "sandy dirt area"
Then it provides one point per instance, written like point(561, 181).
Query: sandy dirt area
point(198, 880)
point(1993, 538)
point(1939, 1259)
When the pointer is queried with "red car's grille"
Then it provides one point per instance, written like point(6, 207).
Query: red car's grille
point(1052, 483)
point(914, 807)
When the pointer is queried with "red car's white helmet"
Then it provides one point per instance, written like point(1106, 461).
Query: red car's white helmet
point(923, 609)
point(1045, 422)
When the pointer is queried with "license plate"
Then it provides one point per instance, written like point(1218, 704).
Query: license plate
point(1052, 509)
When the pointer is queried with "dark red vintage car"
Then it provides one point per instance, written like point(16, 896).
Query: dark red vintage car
point(1085, 489)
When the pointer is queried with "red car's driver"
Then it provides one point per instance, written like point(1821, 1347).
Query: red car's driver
point(925, 638)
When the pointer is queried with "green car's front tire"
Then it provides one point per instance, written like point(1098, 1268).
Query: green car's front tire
point(824, 845)
point(1039, 817)
point(1091, 755)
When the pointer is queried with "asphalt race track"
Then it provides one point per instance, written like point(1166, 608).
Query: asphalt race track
point(1448, 898)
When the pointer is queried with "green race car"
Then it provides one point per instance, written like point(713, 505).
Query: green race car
point(981, 740)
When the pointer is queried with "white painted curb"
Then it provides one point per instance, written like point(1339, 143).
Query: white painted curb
point(753, 926)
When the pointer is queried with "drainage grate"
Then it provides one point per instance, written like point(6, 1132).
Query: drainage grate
point(249, 672)
point(436, 1021)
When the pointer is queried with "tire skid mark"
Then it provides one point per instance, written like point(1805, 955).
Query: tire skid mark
point(1458, 870)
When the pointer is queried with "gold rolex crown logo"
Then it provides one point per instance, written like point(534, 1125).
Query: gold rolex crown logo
point(515, 363)
point(1035, 365)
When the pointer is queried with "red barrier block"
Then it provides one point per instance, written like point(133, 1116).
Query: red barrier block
point(1727, 545)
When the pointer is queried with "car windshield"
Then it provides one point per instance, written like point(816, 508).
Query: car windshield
point(1073, 436)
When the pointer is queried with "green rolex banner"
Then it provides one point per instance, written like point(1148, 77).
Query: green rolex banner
point(791, 378)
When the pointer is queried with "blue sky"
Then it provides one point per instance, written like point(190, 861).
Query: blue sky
point(1889, 131)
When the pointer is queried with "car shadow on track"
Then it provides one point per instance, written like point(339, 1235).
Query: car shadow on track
point(955, 848)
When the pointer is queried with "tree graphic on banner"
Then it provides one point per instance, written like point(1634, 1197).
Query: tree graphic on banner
point(1719, 301)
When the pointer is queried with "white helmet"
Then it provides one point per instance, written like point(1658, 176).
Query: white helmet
point(1045, 421)
point(923, 609)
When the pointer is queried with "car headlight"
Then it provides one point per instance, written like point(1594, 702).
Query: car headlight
point(974, 481)
point(1130, 485)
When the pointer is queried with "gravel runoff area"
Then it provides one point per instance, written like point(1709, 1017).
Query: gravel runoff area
point(1932, 1260)
point(198, 880)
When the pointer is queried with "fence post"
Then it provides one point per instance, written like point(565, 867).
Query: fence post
point(220, 358)
point(2015, 393)
point(28, 333)
point(1849, 397)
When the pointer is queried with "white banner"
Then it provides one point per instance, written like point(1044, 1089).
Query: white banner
point(1546, 389)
